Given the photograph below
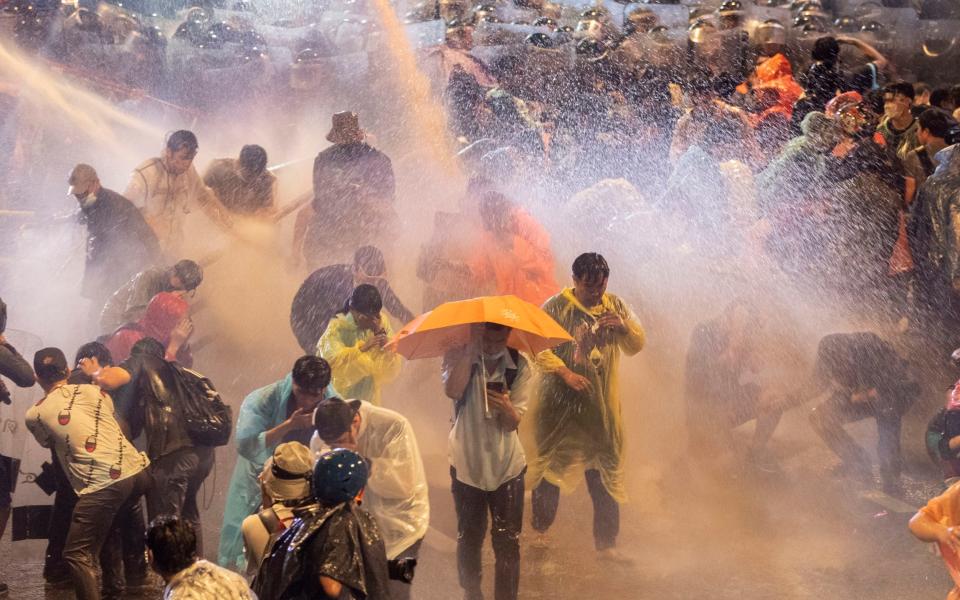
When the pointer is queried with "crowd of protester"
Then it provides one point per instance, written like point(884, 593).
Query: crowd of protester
point(840, 175)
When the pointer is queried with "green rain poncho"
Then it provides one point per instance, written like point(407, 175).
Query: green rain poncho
point(577, 430)
point(357, 374)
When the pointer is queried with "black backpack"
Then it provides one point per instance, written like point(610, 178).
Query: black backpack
point(205, 417)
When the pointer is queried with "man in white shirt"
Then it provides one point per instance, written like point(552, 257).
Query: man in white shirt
point(172, 545)
point(168, 187)
point(396, 492)
point(104, 468)
point(487, 382)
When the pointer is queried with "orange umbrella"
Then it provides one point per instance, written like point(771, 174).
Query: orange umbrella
point(449, 326)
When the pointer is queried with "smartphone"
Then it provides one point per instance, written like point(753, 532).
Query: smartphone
point(497, 386)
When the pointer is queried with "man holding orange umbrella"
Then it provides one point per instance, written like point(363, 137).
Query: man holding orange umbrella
point(486, 376)
point(578, 420)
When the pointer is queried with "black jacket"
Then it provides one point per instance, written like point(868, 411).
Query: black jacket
point(120, 243)
point(13, 365)
point(147, 405)
point(342, 542)
point(323, 294)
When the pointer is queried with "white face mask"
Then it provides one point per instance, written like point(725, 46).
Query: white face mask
point(87, 199)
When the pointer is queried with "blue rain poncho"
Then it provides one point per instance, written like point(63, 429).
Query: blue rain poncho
point(260, 412)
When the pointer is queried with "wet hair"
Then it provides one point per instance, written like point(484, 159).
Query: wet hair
point(311, 373)
point(173, 544)
point(148, 346)
point(253, 158)
point(189, 273)
point(365, 299)
point(826, 49)
point(937, 121)
point(900, 88)
point(591, 266)
point(94, 350)
point(369, 259)
point(182, 140)
point(939, 97)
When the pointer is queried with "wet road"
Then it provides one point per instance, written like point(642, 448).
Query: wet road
point(797, 535)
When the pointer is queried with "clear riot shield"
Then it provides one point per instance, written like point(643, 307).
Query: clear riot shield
point(501, 34)
point(672, 16)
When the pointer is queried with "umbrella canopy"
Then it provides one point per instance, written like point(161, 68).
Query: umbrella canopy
point(449, 326)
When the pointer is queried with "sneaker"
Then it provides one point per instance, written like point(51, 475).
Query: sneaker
point(615, 556)
point(4, 590)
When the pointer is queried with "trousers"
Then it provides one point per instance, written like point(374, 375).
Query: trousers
point(606, 511)
point(505, 506)
point(95, 519)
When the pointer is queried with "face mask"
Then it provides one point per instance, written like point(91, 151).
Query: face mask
point(87, 199)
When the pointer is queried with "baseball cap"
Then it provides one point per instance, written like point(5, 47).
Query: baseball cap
point(333, 416)
point(286, 474)
point(50, 364)
point(80, 176)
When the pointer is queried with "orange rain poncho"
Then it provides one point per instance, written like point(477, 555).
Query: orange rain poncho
point(945, 509)
point(775, 74)
point(520, 264)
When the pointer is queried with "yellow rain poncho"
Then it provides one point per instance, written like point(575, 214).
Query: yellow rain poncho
point(356, 374)
point(583, 430)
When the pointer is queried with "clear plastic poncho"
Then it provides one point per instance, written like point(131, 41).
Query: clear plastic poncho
point(583, 430)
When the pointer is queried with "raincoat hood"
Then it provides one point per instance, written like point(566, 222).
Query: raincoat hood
point(163, 313)
point(776, 74)
point(946, 161)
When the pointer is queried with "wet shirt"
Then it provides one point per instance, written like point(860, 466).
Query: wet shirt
point(348, 176)
point(237, 194)
point(166, 198)
point(129, 303)
point(119, 243)
point(204, 580)
point(79, 423)
point(485, 454)
point(902, 141)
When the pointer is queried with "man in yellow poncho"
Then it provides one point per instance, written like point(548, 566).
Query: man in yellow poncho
point(353, 344)
point(578, 423)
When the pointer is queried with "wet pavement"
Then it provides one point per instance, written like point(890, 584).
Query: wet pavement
point(796, 535)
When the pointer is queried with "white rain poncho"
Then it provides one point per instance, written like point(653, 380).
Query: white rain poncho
point(396, 493)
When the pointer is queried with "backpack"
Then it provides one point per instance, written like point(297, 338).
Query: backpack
point(204, 416)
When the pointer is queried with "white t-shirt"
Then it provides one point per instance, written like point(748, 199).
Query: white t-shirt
point(485, 454)
point(78, 422)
